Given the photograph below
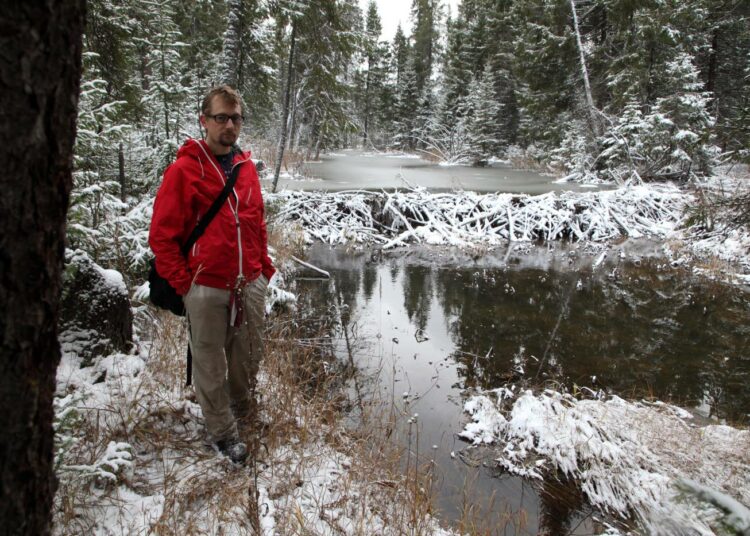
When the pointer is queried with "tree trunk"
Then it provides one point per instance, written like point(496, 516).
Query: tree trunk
point(366, 131)
point(40, 73)
point(585, 73)
point(232, 47)
point(285, 111)
point(293, 121)
point(713, 64)
point(121, 173)
point(319, 137)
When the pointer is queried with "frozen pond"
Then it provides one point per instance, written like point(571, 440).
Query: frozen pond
point(437, 323)
point(350, 170)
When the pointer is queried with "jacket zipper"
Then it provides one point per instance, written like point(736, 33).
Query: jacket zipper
point(234, 209)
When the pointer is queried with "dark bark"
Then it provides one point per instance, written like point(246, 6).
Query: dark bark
point(712, 62)
point(40, 43)
point(293, 113)
point(285, 111)
point(121, 173)
point(232, 47)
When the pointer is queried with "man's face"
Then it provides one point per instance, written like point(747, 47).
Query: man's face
point(217, 134)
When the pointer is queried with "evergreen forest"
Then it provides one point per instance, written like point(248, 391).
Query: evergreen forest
point(604, 90)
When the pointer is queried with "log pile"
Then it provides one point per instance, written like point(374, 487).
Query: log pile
point(391, 219)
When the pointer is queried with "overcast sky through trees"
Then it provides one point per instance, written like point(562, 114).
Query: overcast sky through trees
point(394, 11)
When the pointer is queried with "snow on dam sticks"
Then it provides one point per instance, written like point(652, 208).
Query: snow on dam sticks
point(391, 219)
point(633, 459)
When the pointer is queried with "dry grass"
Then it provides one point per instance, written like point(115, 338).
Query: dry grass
point(376, 490)
point(293, 161)
point(316, 470)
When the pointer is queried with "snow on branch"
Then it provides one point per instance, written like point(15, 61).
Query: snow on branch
point(392, 219)
point(637, 460)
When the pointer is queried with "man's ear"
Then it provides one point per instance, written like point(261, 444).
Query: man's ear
point(202, 120)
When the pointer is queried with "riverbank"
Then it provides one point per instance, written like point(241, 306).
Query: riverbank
point(397, 221)
point(132, 456)
point(647, 463)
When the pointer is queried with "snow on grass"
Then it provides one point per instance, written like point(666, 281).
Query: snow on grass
point(629, 458)
point(132, 456)
point(724, 239)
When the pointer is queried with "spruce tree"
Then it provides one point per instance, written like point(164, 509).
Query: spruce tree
point(482, 113)
point(374, 53)
point(246, 59)
point(425, 15)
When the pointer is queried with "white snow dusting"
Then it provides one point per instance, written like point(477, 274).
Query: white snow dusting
point(627, 457)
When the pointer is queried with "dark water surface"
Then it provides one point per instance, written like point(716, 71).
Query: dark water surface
point(351, 169)
point(437, 323)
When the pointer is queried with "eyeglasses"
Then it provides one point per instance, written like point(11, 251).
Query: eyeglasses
point(237, 119)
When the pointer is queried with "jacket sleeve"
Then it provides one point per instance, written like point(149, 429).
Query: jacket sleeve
point(167, 229)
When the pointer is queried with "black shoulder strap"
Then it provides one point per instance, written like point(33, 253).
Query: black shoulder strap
point(215, 207)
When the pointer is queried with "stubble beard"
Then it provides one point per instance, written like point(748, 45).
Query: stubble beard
point(227, 139)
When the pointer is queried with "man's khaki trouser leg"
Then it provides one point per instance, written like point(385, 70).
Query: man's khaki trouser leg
point(225, 359)
point(207, 312)
point(245, 348)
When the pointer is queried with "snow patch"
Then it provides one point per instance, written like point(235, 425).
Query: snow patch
point(627, 457)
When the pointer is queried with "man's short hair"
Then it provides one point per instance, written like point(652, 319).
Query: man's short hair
point(227, 93)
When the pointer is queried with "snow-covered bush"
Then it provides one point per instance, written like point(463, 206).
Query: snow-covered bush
point(66, 423)
point(448, 143)
point(631, 459)
point(574, 156)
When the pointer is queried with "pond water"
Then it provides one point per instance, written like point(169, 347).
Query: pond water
point(437, 323)
point(352, 169)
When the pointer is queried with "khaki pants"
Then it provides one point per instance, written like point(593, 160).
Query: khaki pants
point(225, 358)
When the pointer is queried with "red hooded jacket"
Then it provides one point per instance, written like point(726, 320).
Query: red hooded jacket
point(191, 184)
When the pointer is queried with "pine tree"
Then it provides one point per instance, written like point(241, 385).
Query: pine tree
point(457, 73)
point(374, 72)
point(246, 58)
point(400, 55)
point(165, 96)
point(97, 192)
point(482, 113)
point(425, 14)
point(545, 65)
point(407, 108)
point(725, 65)
point(110, 52)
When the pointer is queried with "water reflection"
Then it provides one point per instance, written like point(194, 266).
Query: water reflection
point(437, 325)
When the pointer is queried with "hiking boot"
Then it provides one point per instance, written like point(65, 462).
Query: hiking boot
point(233, 448)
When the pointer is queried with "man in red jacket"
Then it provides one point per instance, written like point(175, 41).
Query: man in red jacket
point(223, 279)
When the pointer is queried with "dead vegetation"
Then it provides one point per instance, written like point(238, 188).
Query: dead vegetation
point(133, 458)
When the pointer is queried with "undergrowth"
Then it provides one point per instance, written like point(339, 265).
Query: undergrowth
point(132, 454)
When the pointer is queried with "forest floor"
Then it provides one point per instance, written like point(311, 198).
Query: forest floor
point(132, 456)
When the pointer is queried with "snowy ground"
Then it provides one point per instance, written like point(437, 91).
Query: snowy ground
point(132, 457)
point(639, 460)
